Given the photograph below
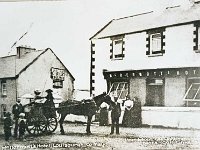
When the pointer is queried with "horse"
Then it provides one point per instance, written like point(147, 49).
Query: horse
point(86, 107)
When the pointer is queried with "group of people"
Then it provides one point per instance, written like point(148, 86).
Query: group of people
point(128, 116)
point(19, 119)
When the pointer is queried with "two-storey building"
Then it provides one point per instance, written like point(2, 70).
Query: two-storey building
point(32, 69)
point(156, 58)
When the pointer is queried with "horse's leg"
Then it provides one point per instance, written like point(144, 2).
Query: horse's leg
point(88, 124)
point(62, 118)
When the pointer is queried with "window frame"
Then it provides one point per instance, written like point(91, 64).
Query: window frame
point(3, 110)
point(117, 48)
point(159, 51)
point(3, 88)
point(196, 39)
point(189, 87)
point(118, 85)
point(153, 48)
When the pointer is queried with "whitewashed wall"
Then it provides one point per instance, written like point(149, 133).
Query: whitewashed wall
point(178, 53)
point(37, 76)
point(176, 117)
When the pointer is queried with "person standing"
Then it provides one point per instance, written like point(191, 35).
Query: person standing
point(7, 126)
point(128, 112)
point(22, 126)
point(103, 115)
point(115, 114)
point(16, 110)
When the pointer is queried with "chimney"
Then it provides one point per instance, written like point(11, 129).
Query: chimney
point(23, 50)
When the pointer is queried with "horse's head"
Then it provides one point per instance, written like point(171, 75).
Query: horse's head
point(108, 100)
point(99, 99)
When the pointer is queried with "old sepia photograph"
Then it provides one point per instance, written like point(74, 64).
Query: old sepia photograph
point(100, 74)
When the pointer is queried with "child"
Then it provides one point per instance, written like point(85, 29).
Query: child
point(22, 126)
point(7, 126)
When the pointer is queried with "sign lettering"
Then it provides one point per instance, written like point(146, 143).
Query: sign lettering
point(57, 74)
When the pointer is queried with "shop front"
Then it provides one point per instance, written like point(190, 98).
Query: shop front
point(170, 97)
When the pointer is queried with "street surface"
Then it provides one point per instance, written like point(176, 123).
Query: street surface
point(129, 139)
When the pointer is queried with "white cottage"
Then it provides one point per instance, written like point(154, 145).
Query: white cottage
point(32, 69)
point(156, 58)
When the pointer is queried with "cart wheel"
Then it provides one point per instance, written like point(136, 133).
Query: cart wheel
point(36, 125)
point(51, 125)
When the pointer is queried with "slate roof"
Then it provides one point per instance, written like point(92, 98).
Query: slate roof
point(12, 66)
point(141, 22)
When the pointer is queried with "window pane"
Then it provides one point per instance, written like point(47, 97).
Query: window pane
point(156, 42)
point(117, 47)
point(120, 89)
point(3, 89)
point(198, 95)
point(192, 92)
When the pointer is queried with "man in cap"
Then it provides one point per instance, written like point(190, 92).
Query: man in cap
point(7, 126)
point(16, 110)
point(115, 112)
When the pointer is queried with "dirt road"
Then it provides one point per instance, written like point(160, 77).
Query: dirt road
point(129, 139)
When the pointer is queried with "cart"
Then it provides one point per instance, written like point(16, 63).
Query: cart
point(41, 118)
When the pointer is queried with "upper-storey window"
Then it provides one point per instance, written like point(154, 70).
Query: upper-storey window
point(197, 37)
point(117, 48)
point(155, 42)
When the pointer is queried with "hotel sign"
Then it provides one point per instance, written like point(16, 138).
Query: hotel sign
point(169, 72)
point(57, 74)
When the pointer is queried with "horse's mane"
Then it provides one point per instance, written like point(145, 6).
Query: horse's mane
point(109, 101)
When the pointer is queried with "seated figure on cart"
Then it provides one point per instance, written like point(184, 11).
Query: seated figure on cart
point(49, 106)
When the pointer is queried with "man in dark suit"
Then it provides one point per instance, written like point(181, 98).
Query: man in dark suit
point(16, 110)
point(115, 114)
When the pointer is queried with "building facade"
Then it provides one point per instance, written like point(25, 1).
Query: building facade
point(156, 58)
point(32, 69)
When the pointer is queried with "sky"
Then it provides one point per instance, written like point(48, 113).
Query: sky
point(66, 26)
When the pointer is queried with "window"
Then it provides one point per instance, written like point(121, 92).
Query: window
point(119, 89)
point(3, 88)
point(197, 37)
point(155, 92)
point(117, 48)
point(155, 43)
point(192, 95)
point(3, 110)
